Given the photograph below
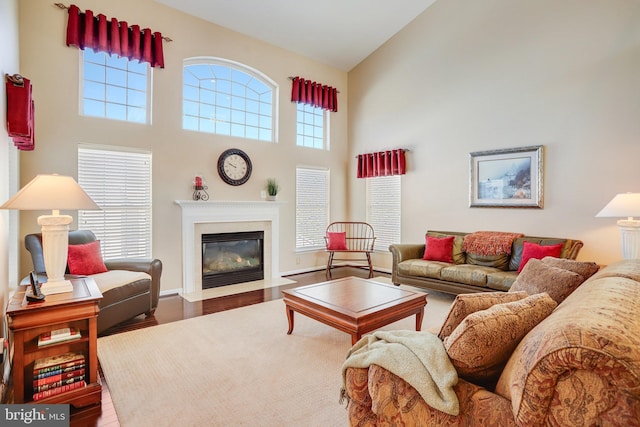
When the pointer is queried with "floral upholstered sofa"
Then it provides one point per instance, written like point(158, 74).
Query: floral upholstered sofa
point(483, 261)
point(578, 366)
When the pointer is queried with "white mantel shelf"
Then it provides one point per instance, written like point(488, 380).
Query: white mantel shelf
point(229, 211)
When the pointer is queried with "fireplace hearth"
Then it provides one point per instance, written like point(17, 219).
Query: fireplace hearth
point(230, 258)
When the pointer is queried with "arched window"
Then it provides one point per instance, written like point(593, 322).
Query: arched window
point(228, 98)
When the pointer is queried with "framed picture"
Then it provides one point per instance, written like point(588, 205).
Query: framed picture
point(509, 178)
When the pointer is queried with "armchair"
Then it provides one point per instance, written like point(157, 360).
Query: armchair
point(129, 288)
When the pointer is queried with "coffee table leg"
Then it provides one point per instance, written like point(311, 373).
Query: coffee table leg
point(419, 317)
point(290, 319)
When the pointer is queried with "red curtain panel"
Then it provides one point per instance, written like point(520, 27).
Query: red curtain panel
point(315, 94)
point(382, 163)
point(114, 37)
point(20, 111)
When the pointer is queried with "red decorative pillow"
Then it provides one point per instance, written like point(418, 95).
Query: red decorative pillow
point(532, 250)
point(439, 249)
point(337, 241)
point(85, 259)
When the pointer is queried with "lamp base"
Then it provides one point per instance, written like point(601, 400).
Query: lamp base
point(56, 287)
point(630, 233)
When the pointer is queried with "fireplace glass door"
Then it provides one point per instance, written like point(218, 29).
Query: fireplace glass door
point(229, 258)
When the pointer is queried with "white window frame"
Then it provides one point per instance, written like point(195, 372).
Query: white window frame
point(312, 127)
point(112, 92)
point(119, 181)
point(219, 111)
point(312, 207)
point(384, 210)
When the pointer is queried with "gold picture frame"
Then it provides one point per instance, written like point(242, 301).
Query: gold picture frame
point(507, 178)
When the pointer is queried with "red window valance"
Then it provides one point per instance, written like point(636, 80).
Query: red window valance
point(382, 163)
point(315, 94)
point(20, 112)
point(113, 37)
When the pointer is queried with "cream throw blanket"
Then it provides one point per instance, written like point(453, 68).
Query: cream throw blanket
point(419, 358)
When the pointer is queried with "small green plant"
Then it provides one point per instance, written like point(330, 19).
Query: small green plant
point(272, 187)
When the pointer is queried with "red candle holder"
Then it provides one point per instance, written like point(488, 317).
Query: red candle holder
point(200, 189)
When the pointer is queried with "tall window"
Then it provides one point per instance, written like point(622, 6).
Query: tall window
point(312, 207)
point(310, 129)
point(120, 183)
point(383, 210)
point(114, 87)
point(228, 98)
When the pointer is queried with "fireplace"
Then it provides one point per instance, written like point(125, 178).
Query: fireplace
point(219, 216)
point(229, 258)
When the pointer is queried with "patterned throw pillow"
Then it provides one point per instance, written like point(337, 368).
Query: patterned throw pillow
point(465, 304)
point(538, 277)
point(583, 268)
point(481, 345)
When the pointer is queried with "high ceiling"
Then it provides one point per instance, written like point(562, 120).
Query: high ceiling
point(340, 33)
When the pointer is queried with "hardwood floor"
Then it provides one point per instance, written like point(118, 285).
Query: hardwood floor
point(173, 308)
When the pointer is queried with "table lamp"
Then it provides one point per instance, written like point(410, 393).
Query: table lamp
point(626, 205)
point(55, 192)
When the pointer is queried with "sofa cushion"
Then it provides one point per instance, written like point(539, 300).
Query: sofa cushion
point(518, 247)
point(500, 261)
point(85, 259)
point(538, 277)
point(465, 304)
point(482, 343)
point(583, 268)
point(438, 249)
point(120, 285)
point(501, 280)
point(337, 240)
point(421, 268)
point(468, 274)
point(535, 251)
point(459, 256)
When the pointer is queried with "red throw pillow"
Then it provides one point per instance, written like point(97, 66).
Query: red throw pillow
point(85, 259)
point(439, 249)
point(532, 250)
point(337, 241)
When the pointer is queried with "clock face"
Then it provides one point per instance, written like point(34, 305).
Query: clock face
point(234, 166)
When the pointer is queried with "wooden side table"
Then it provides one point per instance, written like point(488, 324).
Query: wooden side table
point(27, 321)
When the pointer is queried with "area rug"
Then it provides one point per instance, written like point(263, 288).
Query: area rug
point(235, 368)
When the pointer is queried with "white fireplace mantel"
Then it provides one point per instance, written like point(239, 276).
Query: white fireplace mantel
point(220, 211)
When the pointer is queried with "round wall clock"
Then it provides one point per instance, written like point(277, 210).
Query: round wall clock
point(234, 166)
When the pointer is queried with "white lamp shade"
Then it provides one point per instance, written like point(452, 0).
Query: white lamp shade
point(621, 206)
point(56, 192)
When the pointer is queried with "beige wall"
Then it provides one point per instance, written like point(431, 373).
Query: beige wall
point(8, 155)
point(471, 76)
point(177, 155)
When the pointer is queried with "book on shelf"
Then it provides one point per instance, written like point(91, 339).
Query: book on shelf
point(58, 335)
point(53, 372)
point(63, 376)
point(61, 361)
point(59, 383)
point(58, 390)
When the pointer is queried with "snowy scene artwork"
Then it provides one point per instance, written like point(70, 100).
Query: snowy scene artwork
point(511, 178)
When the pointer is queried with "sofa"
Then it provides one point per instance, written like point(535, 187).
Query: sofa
point(578, 366)
point(130, 287)
point(465, 271)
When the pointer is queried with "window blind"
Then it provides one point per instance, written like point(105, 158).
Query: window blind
point(383, 210)
point(312, 207)
point(120, 183)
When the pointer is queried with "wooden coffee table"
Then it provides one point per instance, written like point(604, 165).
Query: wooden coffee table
point(354, 305)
